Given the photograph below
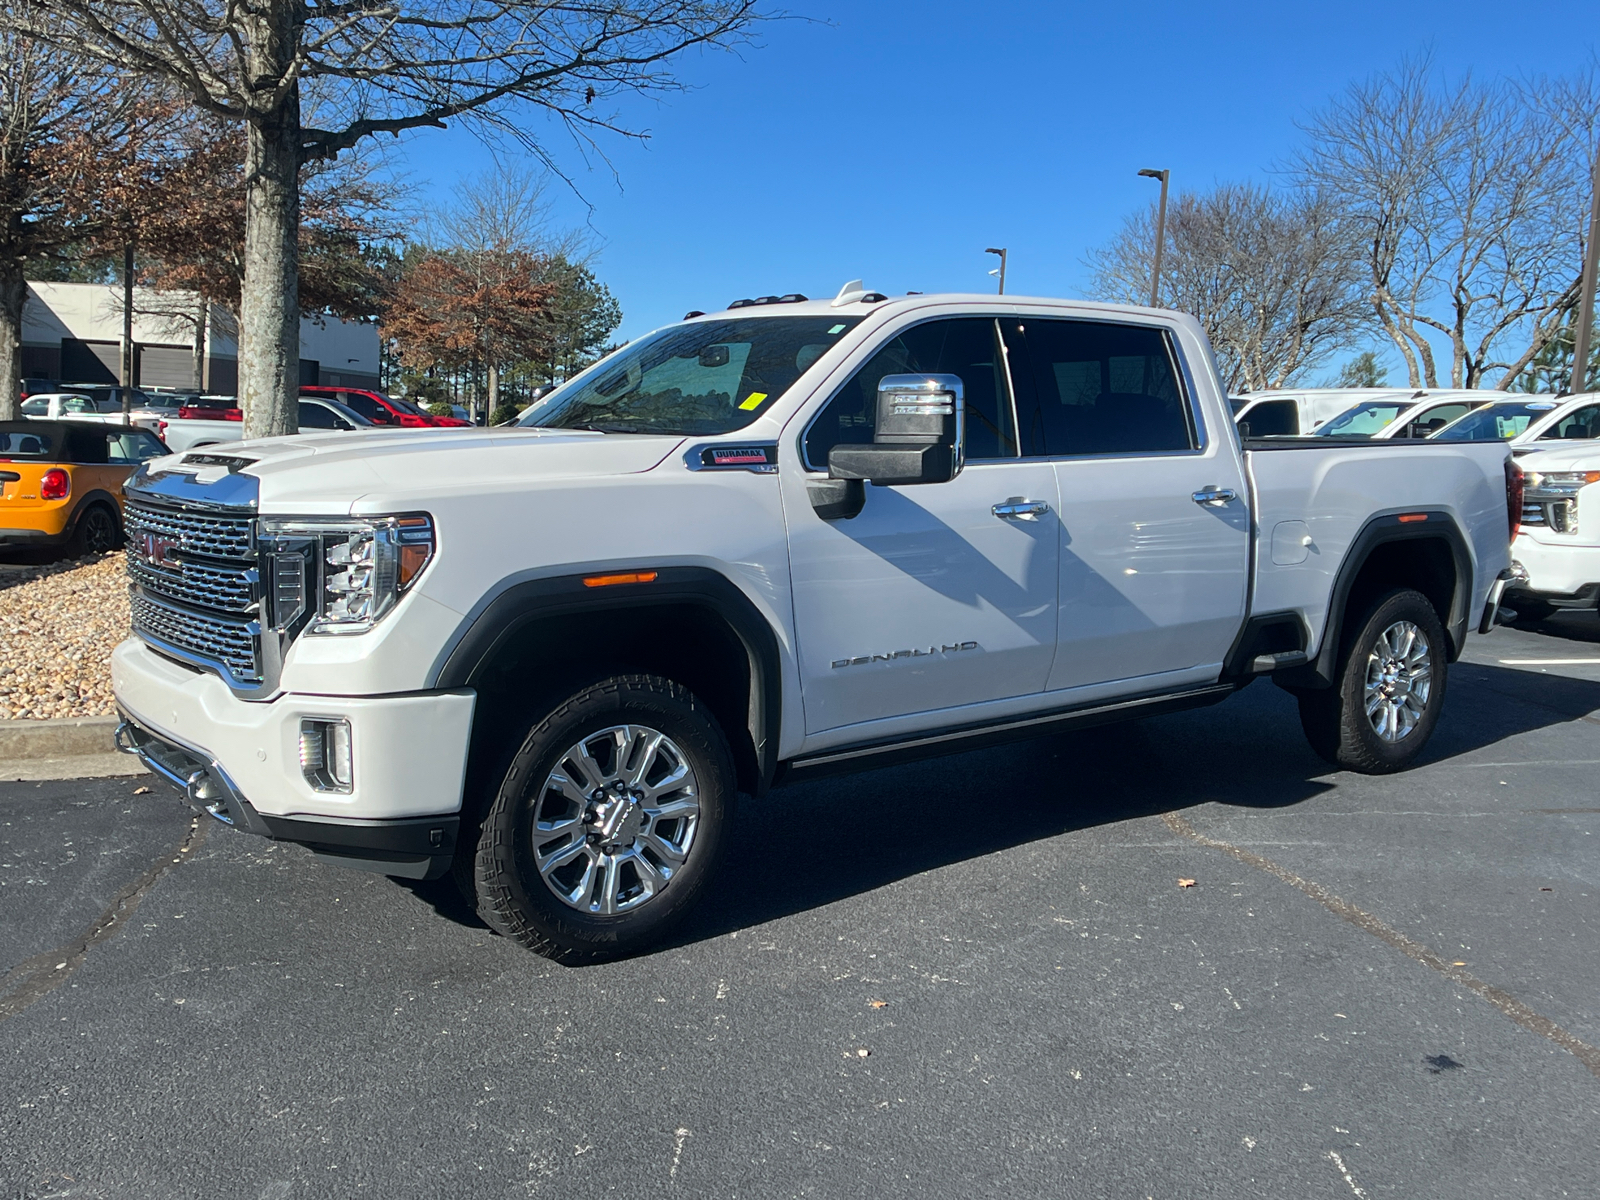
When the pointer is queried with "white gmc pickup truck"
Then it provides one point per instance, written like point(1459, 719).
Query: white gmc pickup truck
point(789, 538)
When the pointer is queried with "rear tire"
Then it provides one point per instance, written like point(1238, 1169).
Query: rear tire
point(608, 822)
point(97, 532)
point(1385, 700)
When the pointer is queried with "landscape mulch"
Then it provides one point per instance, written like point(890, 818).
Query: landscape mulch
point(59, 623)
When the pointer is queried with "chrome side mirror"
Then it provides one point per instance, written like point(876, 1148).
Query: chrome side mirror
point(919, 436)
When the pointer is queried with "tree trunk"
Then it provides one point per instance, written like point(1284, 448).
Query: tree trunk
point(494, 387)
point(128, 353)
point(202, 318)
point(269, 310)
point(13, 295)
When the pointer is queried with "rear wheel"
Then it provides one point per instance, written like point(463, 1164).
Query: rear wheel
point(1384, 703)
point(97, 532)
point(607, 823)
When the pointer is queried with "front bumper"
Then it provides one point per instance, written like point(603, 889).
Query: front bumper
point(1559, 573)
point(408, 756)
point(419, 848)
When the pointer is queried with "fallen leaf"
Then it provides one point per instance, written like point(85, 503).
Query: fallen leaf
point(877, 1004)
point(141, 791)
point(1185, 883)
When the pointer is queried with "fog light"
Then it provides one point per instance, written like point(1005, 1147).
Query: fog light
point(325, 756)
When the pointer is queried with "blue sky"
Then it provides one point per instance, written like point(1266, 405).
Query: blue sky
point(892, 141)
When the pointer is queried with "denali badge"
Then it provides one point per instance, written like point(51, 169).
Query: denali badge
point(890, 657)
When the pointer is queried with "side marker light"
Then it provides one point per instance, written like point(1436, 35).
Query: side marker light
point(624, 577)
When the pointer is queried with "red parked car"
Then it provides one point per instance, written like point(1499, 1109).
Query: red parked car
point(381, 409)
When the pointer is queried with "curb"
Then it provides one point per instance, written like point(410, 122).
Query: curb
point(63, 748)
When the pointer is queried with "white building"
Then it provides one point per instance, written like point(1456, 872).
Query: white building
point(72, 333)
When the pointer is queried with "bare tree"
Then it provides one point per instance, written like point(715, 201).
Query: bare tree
point(365, 68)
point(1270, 276)
point(64, 133)
point(1466, 200)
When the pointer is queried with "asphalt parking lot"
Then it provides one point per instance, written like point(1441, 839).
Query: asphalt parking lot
point(971, 977)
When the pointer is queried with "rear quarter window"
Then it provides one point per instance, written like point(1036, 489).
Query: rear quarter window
point(26, 445)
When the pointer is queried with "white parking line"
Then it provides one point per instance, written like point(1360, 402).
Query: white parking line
point(1550, 662)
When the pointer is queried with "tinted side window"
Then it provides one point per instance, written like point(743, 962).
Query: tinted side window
point(1579, 423)
point(964, 346)
point(128, 448)
point(1273, 418)
point(366, 406)
point(1098, 389)
point(314, 416)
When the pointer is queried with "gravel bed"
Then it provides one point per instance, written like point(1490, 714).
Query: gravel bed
point(58, 625)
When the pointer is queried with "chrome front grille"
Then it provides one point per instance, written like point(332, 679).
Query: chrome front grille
point(195, 586)
point(233, 645)
point(208, 534)
point(206, 585)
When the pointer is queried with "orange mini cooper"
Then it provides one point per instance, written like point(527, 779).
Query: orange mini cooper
point(61, 482)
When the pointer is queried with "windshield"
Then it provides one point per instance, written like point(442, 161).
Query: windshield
point(1494, 421)
point(1364, 420)
point(709, 377)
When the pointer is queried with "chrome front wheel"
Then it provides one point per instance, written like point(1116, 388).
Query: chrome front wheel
point(1399, 680)
point(608, 821)
point(616, 819)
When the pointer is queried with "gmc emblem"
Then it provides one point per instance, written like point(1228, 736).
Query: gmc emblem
point(158, 551)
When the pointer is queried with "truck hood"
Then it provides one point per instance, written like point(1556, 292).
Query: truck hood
point(335, 472)
point(1562, 456)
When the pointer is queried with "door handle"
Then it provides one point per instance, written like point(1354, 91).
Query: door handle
point(1215, 497)
point(1019, 509)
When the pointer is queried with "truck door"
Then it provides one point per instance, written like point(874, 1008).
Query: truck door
point(1155, 529)
point(935, 595)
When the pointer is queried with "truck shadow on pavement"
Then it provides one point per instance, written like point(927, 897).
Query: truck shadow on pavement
point(813, 844)
point(816, 843)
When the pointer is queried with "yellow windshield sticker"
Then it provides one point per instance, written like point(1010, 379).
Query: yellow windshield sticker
point(754, 401)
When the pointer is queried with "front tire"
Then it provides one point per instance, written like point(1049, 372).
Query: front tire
point(1385, 701)
point(608, 822)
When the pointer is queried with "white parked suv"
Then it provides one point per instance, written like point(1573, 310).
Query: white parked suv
point(1556, 552)
point(790, 538)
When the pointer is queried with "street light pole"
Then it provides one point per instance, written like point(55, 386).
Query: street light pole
point(1002, 269)
point(1591, 261)
point(1161, 232)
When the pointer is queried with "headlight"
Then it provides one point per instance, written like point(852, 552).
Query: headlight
point(340, 574)
point(1560, 482)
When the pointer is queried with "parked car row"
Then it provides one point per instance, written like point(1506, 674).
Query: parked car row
point(63, 465)
point(1554, 441)
point(61, 482)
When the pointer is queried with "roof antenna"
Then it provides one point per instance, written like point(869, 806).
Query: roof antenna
point(849, 293)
